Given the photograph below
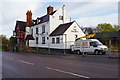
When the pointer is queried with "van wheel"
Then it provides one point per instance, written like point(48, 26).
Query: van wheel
point(78, 52)
point(97, 52)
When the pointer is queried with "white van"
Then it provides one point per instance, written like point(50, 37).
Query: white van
point(89, 46)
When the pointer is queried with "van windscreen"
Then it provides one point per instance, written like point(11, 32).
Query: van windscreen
point(98, 43)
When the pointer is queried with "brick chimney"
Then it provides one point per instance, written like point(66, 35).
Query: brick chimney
point(49, 9)
point(29, 18)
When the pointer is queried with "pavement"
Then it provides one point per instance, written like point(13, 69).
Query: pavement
point(28, 65)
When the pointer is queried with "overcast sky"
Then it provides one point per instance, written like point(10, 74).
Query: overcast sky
point(87, 13)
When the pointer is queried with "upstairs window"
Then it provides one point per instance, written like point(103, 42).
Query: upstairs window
point(57, 40)
point(53, 40)
point(60, 17)
point(43, 29)
point(39, 20)
point(36, 30)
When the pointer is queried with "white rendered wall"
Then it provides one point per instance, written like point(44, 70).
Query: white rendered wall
point(66, 39)
point(54, 19)
point(70, 34)
point(40, 35)
point(28, 31)
point(55, 45)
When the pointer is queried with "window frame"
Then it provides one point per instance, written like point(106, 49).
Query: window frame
point(37, 30)
point(57, 40)
point(43, 40)
point(53, 40)
point(43, 29)
point(60, 17)
point(37, 40)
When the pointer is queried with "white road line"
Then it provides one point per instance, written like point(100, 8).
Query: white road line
point(67, 72)
point(26, 62)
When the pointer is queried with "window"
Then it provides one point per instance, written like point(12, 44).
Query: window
point(31, 31)
point(36, 30)
point(93, 44)
point(47, 38)
point(53, 40)
point(36, 40)
point(43, 40)
point(39, 20)
point(43, 29)
point(57, 40)
point(60, 17)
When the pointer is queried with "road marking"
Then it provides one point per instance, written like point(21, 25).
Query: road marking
point(74, 74)
point(26, 62)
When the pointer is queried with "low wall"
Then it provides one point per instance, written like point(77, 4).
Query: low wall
point(50, 51)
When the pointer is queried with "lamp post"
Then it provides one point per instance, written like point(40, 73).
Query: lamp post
point(48, 44)
point(83, 50)
point(65, 46)
point(37, 43)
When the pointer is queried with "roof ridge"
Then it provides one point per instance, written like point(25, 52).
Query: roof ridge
point(20, 21)
point(47, 14)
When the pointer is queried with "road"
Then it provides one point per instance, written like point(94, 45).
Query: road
point(19, 65)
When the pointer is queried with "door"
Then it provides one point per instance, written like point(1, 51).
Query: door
point(92, 48)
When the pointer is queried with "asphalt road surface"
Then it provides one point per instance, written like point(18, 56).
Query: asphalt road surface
point(19, 65)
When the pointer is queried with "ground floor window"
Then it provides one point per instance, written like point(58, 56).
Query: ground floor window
point(53, 40)
point(36, 40)
point(57, 40)
point(43, 40)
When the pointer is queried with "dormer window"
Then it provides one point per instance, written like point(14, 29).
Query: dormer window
point(39, 20)
point(33, 22)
